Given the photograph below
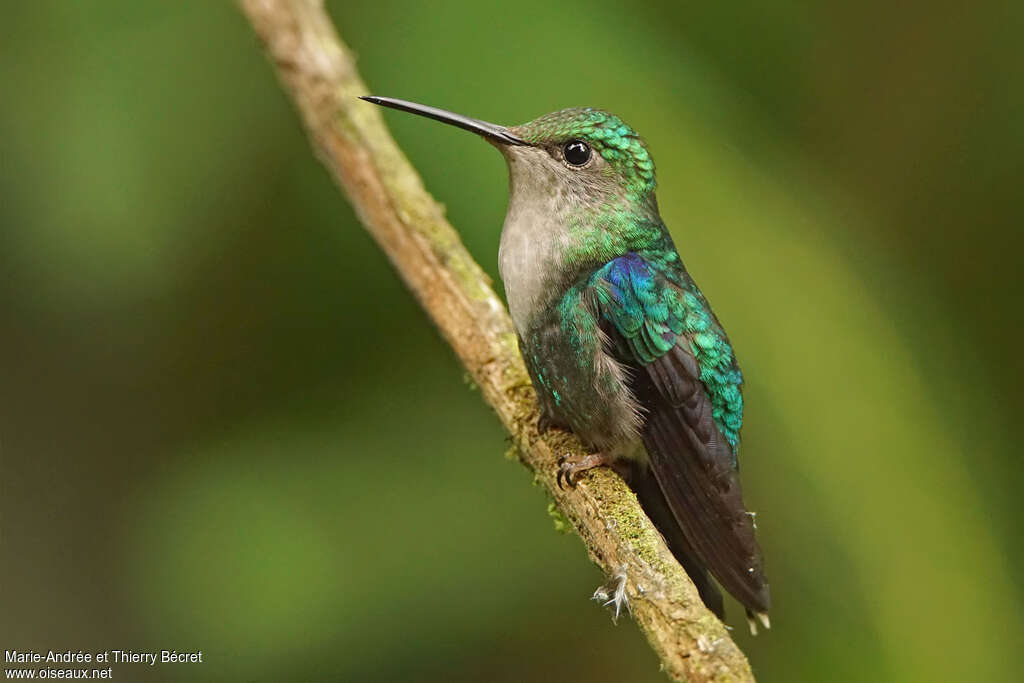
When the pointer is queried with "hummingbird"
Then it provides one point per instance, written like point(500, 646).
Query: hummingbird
point(621, 345)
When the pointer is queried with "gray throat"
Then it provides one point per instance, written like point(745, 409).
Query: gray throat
point(533, 237)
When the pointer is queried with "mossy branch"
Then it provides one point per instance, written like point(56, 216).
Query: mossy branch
point(349, 135)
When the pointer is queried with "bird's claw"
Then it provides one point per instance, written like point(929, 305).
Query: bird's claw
point(565, 473)
point(570, 467)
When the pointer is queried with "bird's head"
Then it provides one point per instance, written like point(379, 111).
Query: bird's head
point(580, 155)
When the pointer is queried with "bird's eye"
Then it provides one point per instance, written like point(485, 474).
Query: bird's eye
point(576, 152)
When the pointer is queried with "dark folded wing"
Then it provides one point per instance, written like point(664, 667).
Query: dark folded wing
point(659, 329)
point(693, 464)
point(648, 492)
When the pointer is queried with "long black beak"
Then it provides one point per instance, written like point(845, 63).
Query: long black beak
point(491, 131)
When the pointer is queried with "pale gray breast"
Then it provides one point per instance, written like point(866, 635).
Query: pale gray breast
point(529, 260)
point(530, 255)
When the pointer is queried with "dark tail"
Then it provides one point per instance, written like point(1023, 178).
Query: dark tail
point(708, 509)
point(694, 468)
point(652, 500)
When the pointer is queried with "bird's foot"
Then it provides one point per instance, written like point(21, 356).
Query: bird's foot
point(614, 593)
point(570, 466)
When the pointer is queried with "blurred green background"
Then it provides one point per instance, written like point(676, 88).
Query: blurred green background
point(225, 425)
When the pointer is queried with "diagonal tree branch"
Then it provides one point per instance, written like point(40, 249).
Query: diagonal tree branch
point(349, 136)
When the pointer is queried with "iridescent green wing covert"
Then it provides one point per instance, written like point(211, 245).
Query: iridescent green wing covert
point(655, 307)
point(687, 382)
